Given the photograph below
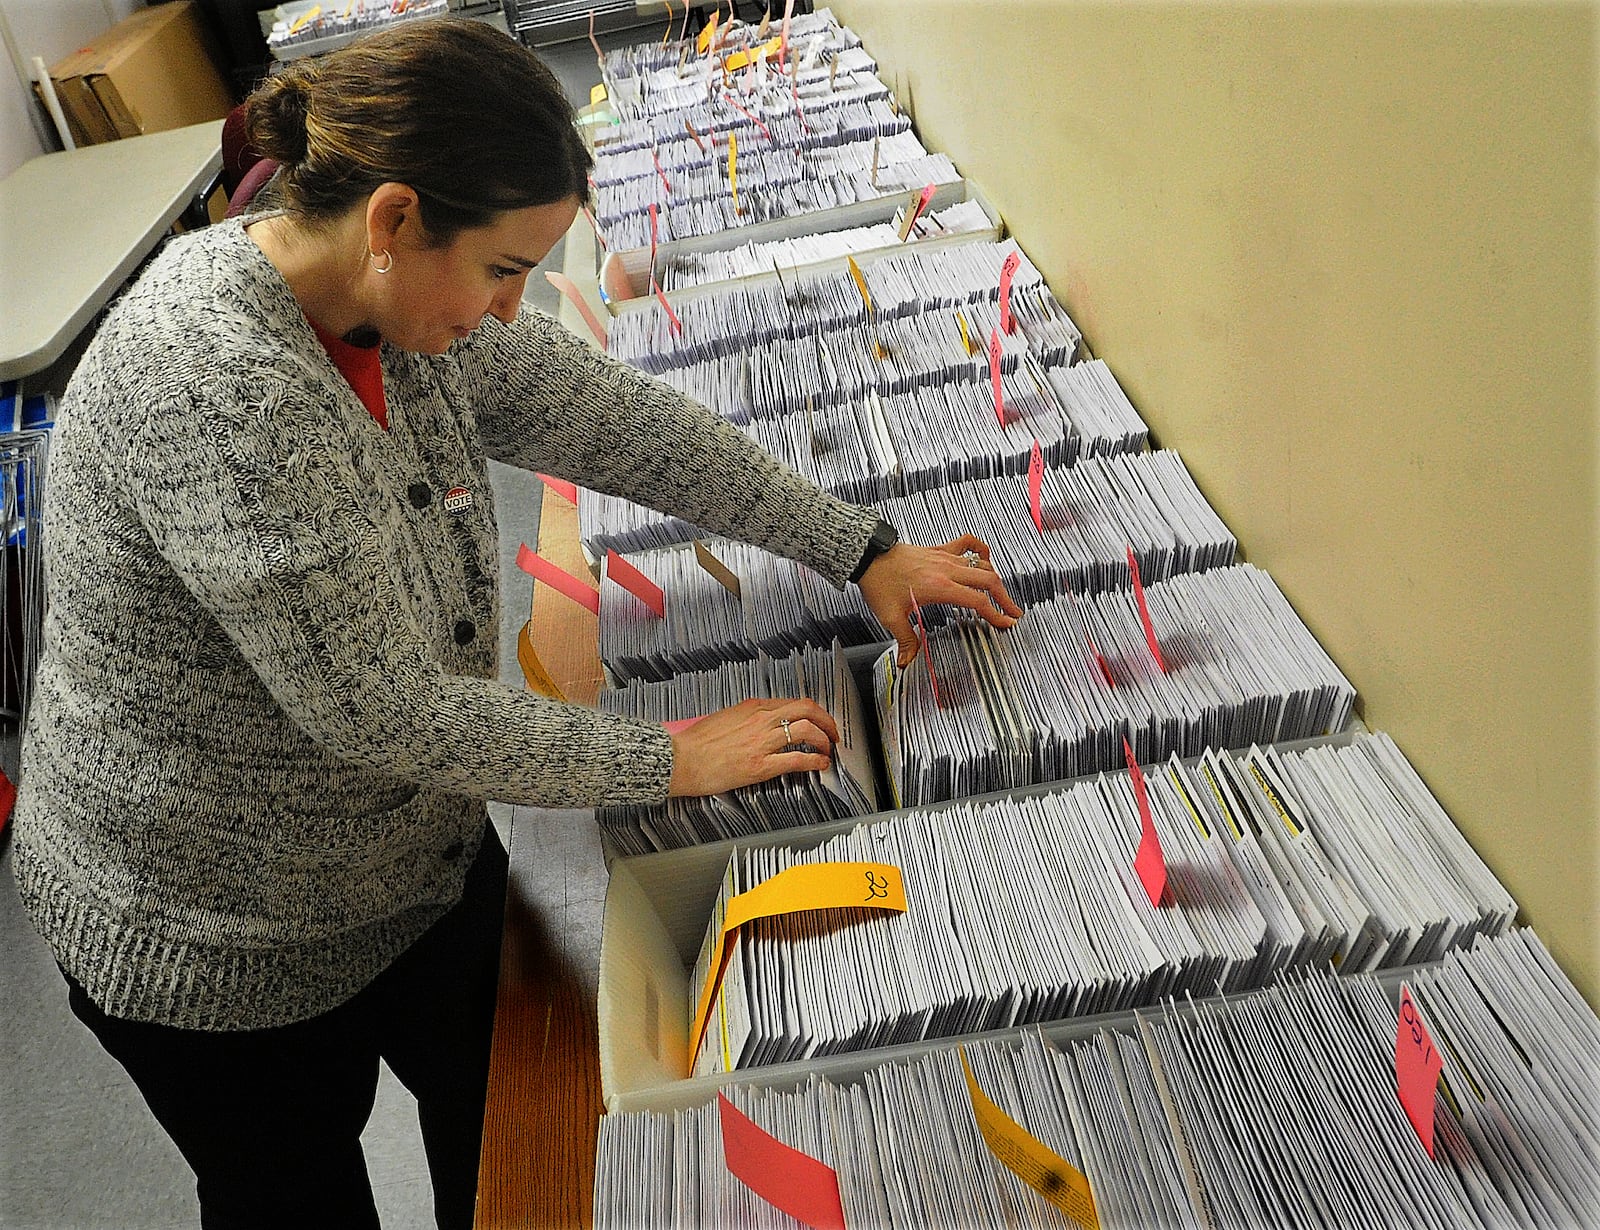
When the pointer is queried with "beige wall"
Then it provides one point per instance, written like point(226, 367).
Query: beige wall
point(1343, 258)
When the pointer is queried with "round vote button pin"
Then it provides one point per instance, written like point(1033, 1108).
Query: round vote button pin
point(457, 500)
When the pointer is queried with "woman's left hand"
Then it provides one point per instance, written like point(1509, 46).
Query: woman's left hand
point(958, 574)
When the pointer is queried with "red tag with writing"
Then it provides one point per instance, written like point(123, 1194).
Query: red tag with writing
point(922, 636)
point(994, 376)
point(541, 569)
point(790, 1181)
point(1036, 486)
point(567, 491)
point(1417, 1065)
point(1149, 863)
point(1008, 322)
point(1144, 612)
point(636, 583)
point(923, 198)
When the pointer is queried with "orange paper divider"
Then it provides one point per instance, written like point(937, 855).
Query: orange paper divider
point(558, 579)
point(567, 491)
point(1027, 1157)
point(636, 583)
point(569, 288)
point(790, 1181)
point(1144, 613)
point(1417, 1065)
point(809, 886)
point(1149, 863)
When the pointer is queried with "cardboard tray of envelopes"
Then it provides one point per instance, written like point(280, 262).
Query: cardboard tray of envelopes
point(625, 275)
point(656, 911)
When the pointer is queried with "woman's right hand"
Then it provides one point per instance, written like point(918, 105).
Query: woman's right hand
point(747, 743)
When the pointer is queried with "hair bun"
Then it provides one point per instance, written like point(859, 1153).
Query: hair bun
point(276, 115)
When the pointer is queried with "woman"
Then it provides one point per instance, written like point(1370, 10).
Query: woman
point(252, 825)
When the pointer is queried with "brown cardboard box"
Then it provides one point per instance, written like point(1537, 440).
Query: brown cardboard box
point(152, 72)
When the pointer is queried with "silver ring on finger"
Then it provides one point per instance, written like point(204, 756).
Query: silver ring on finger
point(788, 737)
point(974, 560)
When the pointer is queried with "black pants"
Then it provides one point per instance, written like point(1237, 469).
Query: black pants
point(271, 1119)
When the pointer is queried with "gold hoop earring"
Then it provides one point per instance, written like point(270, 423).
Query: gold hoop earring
point(388, 261)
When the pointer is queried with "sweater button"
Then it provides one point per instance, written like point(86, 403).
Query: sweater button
point(452, 852)
point(420, 495)
point(465, 631)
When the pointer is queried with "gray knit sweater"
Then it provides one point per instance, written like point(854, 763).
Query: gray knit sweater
point(266, 715)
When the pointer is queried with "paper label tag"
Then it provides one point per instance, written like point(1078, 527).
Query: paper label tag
point(597, 95)
point(966, 335)
point(570, 289)
point(875, 161)
point(1149, 863)
point(724, 575)
point(534, 673)
point(567, 491)
point(698, 142)
point(672, 317)
point(707, 32)
point(751, 116)
point(733, 168)
point(1100, 661)
point(750, 55)
point(809, 886)
point(861, 282)
point(790, 1181)
point(994, 376)
point(636, 583)
point(1036, 485)
point(1008, 322)
point(1417, 1065)
point(919, 202)
point(558, 579)
point(1027, 1157)
point(1144, 612)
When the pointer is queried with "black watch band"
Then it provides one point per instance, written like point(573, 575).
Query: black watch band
point(883, 537)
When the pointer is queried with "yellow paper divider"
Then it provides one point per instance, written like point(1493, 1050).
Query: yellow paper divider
point(534, 673)
point(809, 886)
point(1029, 1158)
point(310, 15)
point(707, 33)
point(966, 334)
point(733, 168)
point(749, 55)
point(597, 95)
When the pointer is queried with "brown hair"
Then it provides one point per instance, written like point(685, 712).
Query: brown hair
point(459, 112)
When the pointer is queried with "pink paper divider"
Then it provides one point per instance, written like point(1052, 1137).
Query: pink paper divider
point(541, 569)
point(1036, 486)
point(1144, 613)
point(636, 583)
point(1008, 322)
point(790, 1181)
point(1149, 863)
point(1417, 1064)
